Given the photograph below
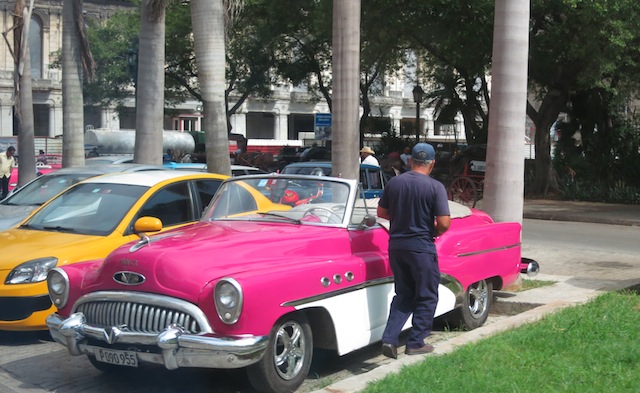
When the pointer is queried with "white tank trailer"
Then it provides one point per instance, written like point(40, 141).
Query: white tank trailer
point(123, 141)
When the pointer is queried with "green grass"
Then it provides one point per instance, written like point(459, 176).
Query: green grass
point(531, 284)
point(593, 347)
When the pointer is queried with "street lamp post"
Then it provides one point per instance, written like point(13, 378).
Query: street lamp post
point(418, 96)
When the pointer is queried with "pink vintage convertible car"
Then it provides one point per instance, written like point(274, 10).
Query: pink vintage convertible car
point(257, 288)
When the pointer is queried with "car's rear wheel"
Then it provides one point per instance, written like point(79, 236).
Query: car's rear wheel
point(475, 306)
point(287, 360)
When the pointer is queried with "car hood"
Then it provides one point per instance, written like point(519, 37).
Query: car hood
point(21, 245)
point(10, 215)
point(181, 263)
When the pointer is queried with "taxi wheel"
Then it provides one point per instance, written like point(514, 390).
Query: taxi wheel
point(287, 360)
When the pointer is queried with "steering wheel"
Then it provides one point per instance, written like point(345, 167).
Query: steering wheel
point(326, 215)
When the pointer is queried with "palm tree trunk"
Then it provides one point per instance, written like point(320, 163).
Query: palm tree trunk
point(207, 19)
point(24, 101)
point(504, 181)
point(346, 88)
point(72, 98)
point(150, 84)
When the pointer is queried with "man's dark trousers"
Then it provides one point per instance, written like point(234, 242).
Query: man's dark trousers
point(4, 182)
point(417, 277)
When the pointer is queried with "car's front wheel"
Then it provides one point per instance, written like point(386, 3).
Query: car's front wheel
point(475, 306)
point(287, 360)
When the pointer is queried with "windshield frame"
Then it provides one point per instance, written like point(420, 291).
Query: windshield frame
point(281, 212)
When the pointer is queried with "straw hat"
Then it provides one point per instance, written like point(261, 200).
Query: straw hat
point(367, 149)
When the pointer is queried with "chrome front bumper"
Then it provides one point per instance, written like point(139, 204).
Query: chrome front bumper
point(176, 348)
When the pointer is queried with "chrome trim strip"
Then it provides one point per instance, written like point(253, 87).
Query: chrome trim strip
point(468, 254)
point(445, 280)
point(341, 291)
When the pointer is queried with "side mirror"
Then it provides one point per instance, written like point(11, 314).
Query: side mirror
point(147, 224)
point(368, 221)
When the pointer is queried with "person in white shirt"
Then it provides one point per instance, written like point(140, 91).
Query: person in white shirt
point(7, 162)
point(366, 156)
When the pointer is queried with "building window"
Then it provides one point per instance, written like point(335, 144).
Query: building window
point(35, 47)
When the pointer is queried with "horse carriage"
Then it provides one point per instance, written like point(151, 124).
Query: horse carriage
point(462, 172)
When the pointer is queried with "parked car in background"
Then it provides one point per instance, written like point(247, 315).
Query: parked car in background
point(87, 221)
point(372, 177)
point(45, 163)
point(22, 201)
point(111, 159)
point(236, 170)
point(262, 287)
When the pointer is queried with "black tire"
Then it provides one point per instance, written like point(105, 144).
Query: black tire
point(475, 307)
point(464, 191)
point(287, 360)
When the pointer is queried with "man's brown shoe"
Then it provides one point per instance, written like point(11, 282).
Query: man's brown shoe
point(390, 351)
point(426, 348)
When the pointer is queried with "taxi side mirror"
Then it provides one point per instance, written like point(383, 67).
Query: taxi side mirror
point(147, 224)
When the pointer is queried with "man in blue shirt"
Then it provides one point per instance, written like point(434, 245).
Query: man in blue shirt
point(418, 209)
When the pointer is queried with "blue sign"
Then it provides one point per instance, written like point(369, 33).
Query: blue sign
point(323, 120)
point(322, 127)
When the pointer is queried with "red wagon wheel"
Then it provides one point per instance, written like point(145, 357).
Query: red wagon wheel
point(464, 191)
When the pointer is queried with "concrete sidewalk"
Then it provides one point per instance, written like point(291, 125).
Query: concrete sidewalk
point(601, 213)
point(567, 291)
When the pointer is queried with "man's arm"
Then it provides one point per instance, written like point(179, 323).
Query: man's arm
point(442, 224)
point(383, 213)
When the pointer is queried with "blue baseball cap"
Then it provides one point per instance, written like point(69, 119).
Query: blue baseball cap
point(423, 152)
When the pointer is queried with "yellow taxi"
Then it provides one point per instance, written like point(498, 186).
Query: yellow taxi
point(86, 222)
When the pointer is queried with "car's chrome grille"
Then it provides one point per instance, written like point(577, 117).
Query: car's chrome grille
point(137, 317)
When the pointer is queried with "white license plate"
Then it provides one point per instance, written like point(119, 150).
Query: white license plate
point(119, 358)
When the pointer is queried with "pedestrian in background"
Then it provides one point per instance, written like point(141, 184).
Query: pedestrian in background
point(418, 210)
point(7, 162)
point(366, 156)
point(406, 154)
point(41, 157)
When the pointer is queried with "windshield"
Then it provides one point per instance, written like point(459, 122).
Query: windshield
point(88, 209)
point(317, 200)
point(44, 188)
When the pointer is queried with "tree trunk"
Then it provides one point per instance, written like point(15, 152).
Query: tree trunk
point(346, 84)
point(72, 98)
point(24, 102)
point(544, 180)
point(150, 84)
point(504, 180)
point(207, 19)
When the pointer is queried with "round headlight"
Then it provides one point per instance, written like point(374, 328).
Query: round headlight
point(228, 300)
point(56, 283)
point(227, 295)
point(58, 286)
